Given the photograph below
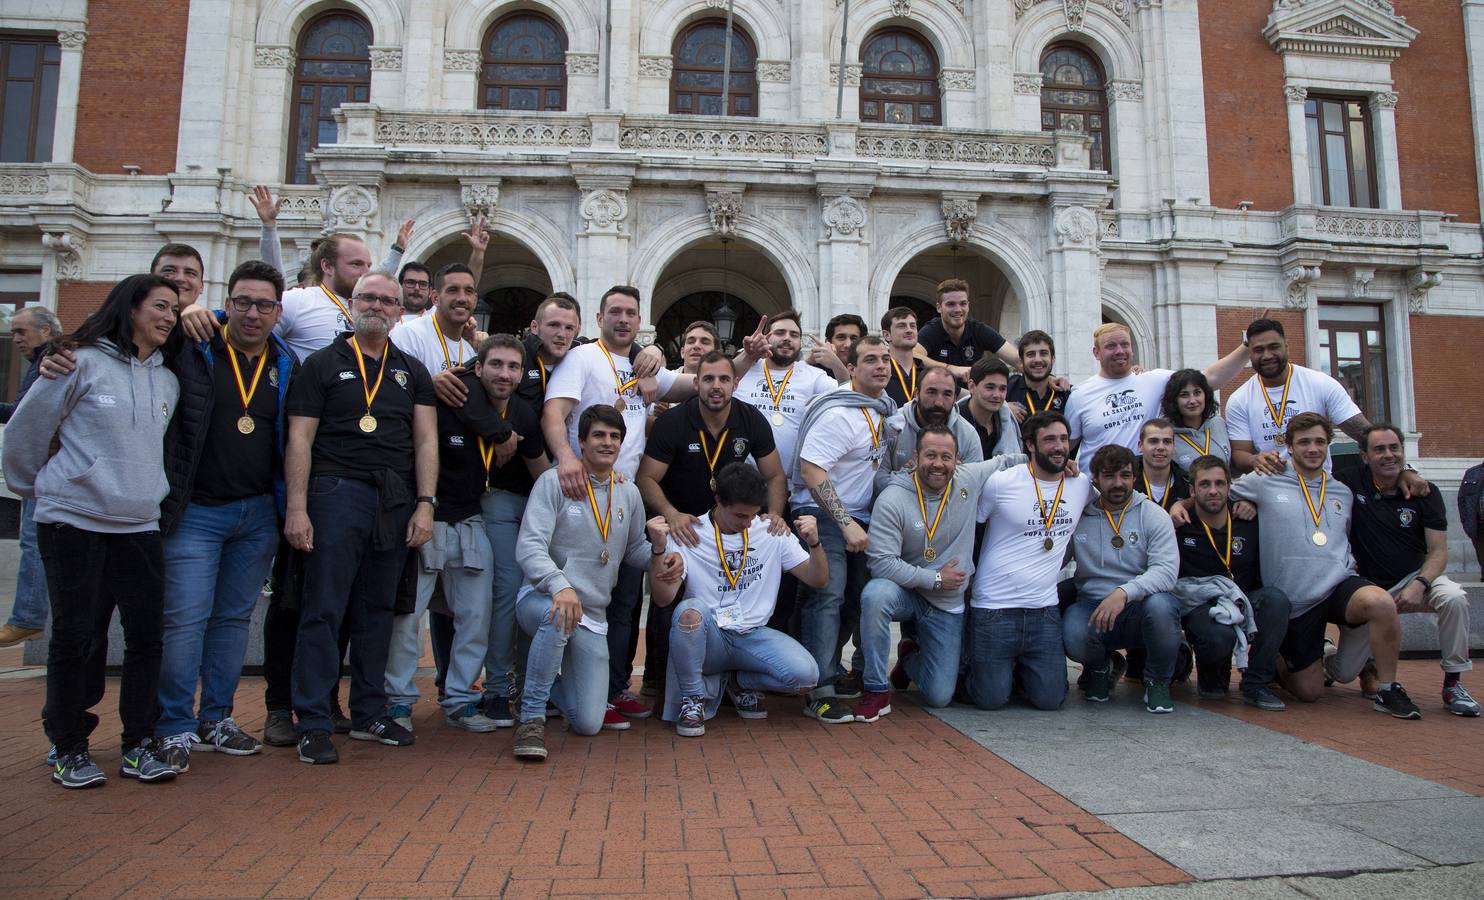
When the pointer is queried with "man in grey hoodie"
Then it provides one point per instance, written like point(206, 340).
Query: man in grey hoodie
point(1127, 563)
point(934, 405)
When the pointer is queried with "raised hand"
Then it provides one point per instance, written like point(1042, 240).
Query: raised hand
point(263, 201)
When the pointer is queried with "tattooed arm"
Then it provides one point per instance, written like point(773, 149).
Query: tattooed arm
point(823, 492)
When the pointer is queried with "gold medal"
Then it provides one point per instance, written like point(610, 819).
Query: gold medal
point(367, 423)
point(603, 520)
point(710, 457)
point(1316, 510)
point(1319, 539)
point(603, 557)
point(449, 361)
point(732, 575)
point(713, 484)
point(778, 419)
point(1280, 439)
point(1281, 412)
point(1048, 544)
point(874, 426)
point(246, 425)
point(1117, 527)
point(1117, 542)
point(929, 554)
point(908, 391)
point(930, 529)
point(1047, 518)
point(620, 404)
point(777, 393)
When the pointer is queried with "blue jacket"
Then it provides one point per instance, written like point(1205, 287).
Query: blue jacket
point(1468, 500)
point(186, 439)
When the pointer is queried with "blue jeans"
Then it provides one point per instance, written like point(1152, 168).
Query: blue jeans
point(502, 512)
point(623, 626)
point(832, 612)
point(1004, 642)
point(763, 659)
point(1152, 624)
point(581, 658)
point(31, 603)
point(217, 560)
point(939, 637)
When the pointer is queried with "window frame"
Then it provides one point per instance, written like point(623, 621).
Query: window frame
point(1318, 147)
point(1101, 88)
point(37, 151)
point(318, 82)
point(676, 68)
point(486, 63)
point(866, 97)
point(1328, 352)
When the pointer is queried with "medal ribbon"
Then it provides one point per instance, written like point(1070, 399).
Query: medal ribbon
point(1164, 502)
point(1227, 559)
point(875, 432)
point(487, 450)
point(601, 522)
point(448, 361)
point(1030, 400)
point(902, 379)
point(1047, 518)
point(1317, 512)
point(1204, 451)
point(541, 366)
point(711, 458)
point(336, 300)
point(1282, 404)
point(777, 393)
point(932, 529)
point(621, 384)
point(370, 392)
point(721, 554)
point(245, 393)
point(1116, 526)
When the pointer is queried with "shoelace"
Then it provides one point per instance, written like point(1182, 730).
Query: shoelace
point(690, 707)
point(185, 740)
point(745, 697)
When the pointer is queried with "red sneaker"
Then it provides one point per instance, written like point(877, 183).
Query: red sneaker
point(628, 705)
point(873, 705)
point(612, 721)
point(899, 677)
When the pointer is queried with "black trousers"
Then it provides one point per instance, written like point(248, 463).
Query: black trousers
point(89, 574)
point(281, 630)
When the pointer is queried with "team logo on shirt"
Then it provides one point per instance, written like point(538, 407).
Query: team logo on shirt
point(455, 440)
point(1238, 545)
point(739, 447)
point(1121, 399)
point(346, 376)
point(273, 377)
point(401, 377)
point(1190, 542)
point(963, 493)
point(1133, 538)
point(107, 400)
point(1406, 516)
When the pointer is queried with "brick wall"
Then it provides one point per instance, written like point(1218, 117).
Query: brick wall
point(1435, 138)
point(1449, 384)
point(76, 299)
point(1246, 118)
point(128, 109)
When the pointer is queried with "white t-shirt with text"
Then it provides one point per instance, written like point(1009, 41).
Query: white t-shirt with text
point(419, 338)
point(1112, 410)
point(840, 443)
point(586, 376)
point(1015, 570)
point(750, 604)
point(309, 320)
point(1249, 419)
point(804, 384)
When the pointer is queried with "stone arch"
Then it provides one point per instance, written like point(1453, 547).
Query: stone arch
point(945, 30)
point(762, 21)
point(698, 281)
point(1126, 309)
point(470, 20)
point(1102, 33)
point(549, 246)
point(1005, 248)
point(281, 20)
point(676, 236)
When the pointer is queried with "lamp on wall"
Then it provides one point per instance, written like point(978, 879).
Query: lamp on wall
point(725, 318)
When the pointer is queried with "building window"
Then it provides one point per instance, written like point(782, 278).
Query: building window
point(334, 68)
point(525, 65)
point(28, 106)
point(899, 80)
point(695, 81)
point(1352, 349)
point(1073, 98)
point(1342, 169)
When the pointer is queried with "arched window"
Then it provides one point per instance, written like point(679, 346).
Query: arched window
point(1073, 98)
point(695, 79)
point(525, 64)
point(899, 80)
point(334, 68)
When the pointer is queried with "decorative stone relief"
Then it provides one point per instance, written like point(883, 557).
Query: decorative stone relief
point(1360, 282)
point(480, 197)
point(775, 70)
point(1384, 100)
point(1126, 89)
point(1123, 9)
point(1419, 283)
point(72, 40)
point(1368, 29)
point(1300, 279)
point(1074, 11)
point(655, 66)
point(386, 59)
point(956, 79)
point(1295, 93)
point(1076, 226)
point(461, 60)
point(582, 64)
point(604, 210)
point(902, 8)
point(21, 183)
point(67, 248)
point(959, 215)
point(852, 74)
point(272, 56)
point(1286, 5)
point(1028, 84)
point(723, 207)
point(351, 208)
point(844, 217)
point(1363, 226)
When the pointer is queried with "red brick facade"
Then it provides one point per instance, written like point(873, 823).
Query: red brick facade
point(76, 299)
point(1435, 137)
point(1448, 382)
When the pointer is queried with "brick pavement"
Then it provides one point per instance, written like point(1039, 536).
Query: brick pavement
point(907, 807)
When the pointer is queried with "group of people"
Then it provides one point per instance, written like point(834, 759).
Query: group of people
point(356, 443)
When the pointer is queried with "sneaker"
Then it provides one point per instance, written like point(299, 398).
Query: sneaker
point(553, 711)
point(1210, 692)
point(471, 718)
point(175, 751)
point(400, 713)
point(1099, 683)
point(317, 749)
point(77, 770)
point(278, 730)
point(1263, 698)
point(748, 703)
point(226, 737)
point(873, 705)
point(613, 720)
point(1329, 652)
point(828, 710)
point(497, 709)
point(1157, 697)
point(1393, 699)
point(530, 740)
point(900, 680)
point(1120, 668)
point(342, 721)
point(649, 688)
point(1458, 701)
point(628, 705)
point(692, 719)
point(51, 756)
point(10, 635)
point(142, 763)
point(384, 730)
point(850, 685)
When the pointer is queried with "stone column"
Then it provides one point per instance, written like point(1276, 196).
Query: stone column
point(386, 76)
point(1170, 38)
point(208, 68)
point(603, 242)
point(1129, 134)
point(273, 79)
point(460, 78)
point(69, 77)
point(1075, 279)
point(1388, 161)
point(1473, 35)
point(1298, 143)
point(844, 264)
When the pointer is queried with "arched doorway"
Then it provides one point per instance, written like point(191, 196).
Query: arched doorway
point(694, 284)
point(511, 286)
point(992, 299)
point(705, 306)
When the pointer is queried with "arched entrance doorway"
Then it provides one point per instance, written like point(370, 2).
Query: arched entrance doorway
point(705, 306)
point(712, 282)
point(511, 286)
point(992, 299)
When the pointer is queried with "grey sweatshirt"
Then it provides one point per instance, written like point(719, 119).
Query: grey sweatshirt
point(1291, 561)
point(901, 437)
point(1221, 444)
point(559, 543)
point(898, 535)
point(1148, 562)
point(109, 418)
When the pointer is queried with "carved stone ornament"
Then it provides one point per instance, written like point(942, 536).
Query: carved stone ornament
point(775, 70)
point(21, 183)
point(351, 208)
point(723, 208)
point(72, 40)
point(1367, 29)
point(1295, 93)
point(67, 248)
point(956, 79)
point(1360, 281)
point(901, 8)
point(582, 64)
point(1123, 9)
point(386, 59)
point(1074, 11)
point(480, 197)
point(959, 215)
point(844, 217)
point(605, 209)
point(461, 60)
point(1128, 90)
point(655, 66)
point(272, 56)
point(1419, 283)
point(1384, 100)
point(1028, 84)
point(852, 74)
point(1076, 226)
point(1299, 279)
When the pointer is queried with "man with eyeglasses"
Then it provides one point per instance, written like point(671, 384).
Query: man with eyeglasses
point(224, 463)
point(361, 470)
point(417, 285)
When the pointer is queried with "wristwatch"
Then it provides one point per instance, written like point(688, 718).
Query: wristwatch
point(937, 581)
point(1426, 583)
point(431, 501)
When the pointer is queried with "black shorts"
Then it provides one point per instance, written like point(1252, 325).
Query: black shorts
point(1303, 645)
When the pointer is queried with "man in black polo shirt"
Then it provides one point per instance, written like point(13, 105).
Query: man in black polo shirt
point(986, 410)
point(1214, 543)
point(956, 340)
point(1403, 543)
point(687, 446)
point(1033, 389)
point(899, 330)
point(361, 468)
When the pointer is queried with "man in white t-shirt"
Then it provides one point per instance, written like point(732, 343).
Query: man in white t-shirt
point(1014, 623)
point(780, 385)
point(1110, 407)
point(438, 338)
point(720, 636)
point(601, 373)
point(1257, 413)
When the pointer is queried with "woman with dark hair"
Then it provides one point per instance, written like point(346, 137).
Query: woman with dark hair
point(1200, 430)
point(98, 518)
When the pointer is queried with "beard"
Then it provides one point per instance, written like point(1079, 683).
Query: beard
point(932, 415)
point(1045, 464)
point(371, 324)
point(782, 359)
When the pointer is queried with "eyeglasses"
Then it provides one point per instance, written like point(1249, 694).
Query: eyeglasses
point(243, 304)
point(391, 302)
point(409, 283)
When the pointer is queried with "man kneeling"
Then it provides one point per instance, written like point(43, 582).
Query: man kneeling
point(730, 586)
